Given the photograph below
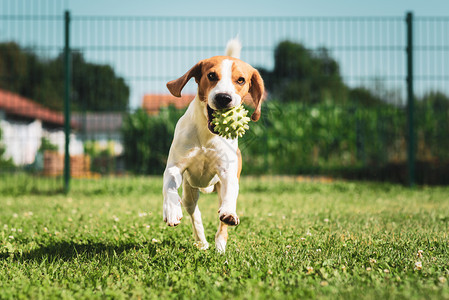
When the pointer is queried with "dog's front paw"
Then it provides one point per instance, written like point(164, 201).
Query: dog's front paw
point(172, 213)
point(229, 218)
point(202, 245)
point(220, 245)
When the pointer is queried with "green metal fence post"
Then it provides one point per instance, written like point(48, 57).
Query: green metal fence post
point(67, 80)
point(410, 102)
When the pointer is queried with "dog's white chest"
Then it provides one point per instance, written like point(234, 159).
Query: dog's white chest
point(205, 164)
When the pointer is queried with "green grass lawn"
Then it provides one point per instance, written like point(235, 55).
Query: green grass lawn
point(106, 239)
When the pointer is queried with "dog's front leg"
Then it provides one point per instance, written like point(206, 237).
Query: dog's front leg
point(228, 192)
point(172, 211)
point(227, 198)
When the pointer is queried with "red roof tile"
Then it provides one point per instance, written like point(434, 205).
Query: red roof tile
point(17, 105)
point(152, 103)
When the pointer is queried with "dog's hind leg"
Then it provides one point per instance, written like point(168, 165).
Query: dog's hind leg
point(190, 197)
point(221, 237)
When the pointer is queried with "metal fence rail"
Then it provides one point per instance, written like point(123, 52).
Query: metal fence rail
point(136, 56)
point(149, 51)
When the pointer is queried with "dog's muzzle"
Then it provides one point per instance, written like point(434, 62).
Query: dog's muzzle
point(222, 100)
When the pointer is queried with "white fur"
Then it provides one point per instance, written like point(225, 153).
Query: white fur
point(220, 244)
point(225, 86)
point(199, 159)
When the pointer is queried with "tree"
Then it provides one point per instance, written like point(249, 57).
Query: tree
point(436, 101)
point(303, 75)
point(14, 70)
point(364, 97)
point(95, 87)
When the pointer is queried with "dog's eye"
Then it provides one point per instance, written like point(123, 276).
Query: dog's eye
point(241, 81)
point(212, 76)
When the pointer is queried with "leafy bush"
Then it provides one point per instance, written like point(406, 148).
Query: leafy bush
point(432, 115)
point(4, 163)
point(297, 138)
point(47, 145)
point(103, 158)
point(147, 139)
point(294, 138)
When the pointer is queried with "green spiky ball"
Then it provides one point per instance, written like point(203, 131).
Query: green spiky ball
point(231, 123)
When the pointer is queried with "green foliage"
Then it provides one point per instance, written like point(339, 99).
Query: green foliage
point(295, 138)
point(313, 76)
point(4, 163)
point(365, 97)
point(13, 67)
point(2, 147)
point(103, 159)
point(147, 139)
point(432, 115)
point(47, 145)
point(93, 148)
point(296, 240)
point(95, 87)
point(303, 75)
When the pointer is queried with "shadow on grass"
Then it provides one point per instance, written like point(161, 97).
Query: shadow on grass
point(72, 250)
point(69, 250)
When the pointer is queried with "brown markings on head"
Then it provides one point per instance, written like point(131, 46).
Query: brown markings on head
point(208, 73)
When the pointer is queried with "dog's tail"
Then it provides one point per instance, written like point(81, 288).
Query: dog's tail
point(234, 47)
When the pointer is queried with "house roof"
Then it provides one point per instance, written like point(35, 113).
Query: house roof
point(99, 122)
point(152, 103)
point(17, 105)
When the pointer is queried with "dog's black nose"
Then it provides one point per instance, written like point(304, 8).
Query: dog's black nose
point(222, 100)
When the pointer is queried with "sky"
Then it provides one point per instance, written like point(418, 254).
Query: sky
point(259, 7)
point(266, 8)
point(147, 68)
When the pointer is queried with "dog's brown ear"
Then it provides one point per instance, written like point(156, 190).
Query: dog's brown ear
point(257, 91)
point(175, 86)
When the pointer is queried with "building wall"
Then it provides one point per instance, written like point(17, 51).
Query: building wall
point(22, 140)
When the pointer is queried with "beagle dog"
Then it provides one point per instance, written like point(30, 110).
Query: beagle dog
point(199, 159)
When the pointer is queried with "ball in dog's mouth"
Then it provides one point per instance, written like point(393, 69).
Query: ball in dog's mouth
point(229, 123)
